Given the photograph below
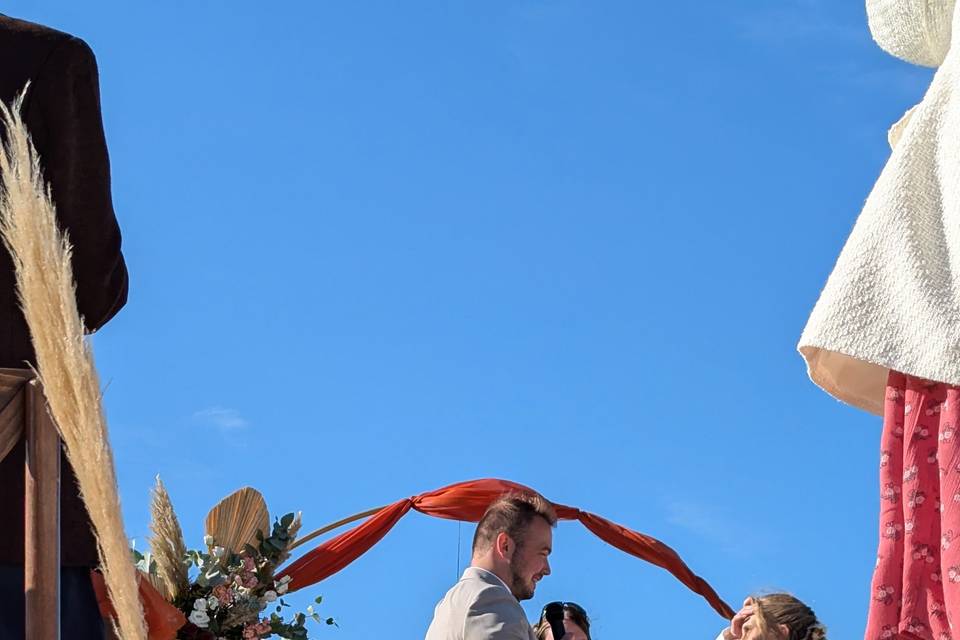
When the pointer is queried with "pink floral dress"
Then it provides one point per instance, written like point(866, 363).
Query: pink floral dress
point(916, 585)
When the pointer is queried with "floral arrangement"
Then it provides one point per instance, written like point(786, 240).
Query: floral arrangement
point(229, 591)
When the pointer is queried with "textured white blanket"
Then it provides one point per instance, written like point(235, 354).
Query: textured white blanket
point(893, 299)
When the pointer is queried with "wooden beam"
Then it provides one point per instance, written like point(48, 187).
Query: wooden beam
point(42, 519)
point(11, 407)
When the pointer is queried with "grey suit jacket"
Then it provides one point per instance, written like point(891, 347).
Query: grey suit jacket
point(479, 607)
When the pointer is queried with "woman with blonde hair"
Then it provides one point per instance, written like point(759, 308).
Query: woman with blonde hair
point(777, 616)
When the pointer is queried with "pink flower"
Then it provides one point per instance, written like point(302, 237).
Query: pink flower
point(922, 552)
point(937, 610)
point(256, 630)
point(884, 594)
point(892, 530)
point(223, 594)
point(917, 498)
point(250, 581)
point(953, 574)
point(249, 564)
point(890, 492)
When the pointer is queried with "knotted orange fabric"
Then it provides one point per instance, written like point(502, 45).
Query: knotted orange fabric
point(163, 619)
point(467, 501)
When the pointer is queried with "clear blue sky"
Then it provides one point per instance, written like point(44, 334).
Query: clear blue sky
point(379, 247)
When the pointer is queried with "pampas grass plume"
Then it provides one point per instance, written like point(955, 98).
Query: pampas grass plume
point(41, 255)
point(167, 544)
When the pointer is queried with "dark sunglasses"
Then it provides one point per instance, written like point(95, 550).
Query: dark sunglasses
point(556, 609)
point(553, 614)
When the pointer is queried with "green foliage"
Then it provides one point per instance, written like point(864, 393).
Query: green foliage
point(229, 591)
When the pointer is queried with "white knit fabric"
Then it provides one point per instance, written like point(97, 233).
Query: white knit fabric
point(893, 135)
point(917, 31)
point(893, 299)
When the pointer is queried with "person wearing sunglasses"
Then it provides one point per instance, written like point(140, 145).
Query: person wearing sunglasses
point(563, 620)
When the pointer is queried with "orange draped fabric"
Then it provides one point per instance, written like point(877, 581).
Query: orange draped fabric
point(464, 501)
point(163, 619)
point(467, 501)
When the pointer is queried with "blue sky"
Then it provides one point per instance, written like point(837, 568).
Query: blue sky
point(379, 247)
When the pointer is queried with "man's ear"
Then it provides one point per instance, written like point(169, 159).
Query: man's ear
point(504, 546)
point(784, 631)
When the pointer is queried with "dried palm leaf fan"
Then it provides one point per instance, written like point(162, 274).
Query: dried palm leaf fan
point(235, 520)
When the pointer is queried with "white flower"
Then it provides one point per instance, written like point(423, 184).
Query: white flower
point(200, 604)
point(199, 618)
point(270, 596)
point(212, 602)
point(208, 540)
point(282, 588)
point(219, 552)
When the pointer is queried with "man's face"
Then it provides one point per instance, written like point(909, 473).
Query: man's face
point(529, 563)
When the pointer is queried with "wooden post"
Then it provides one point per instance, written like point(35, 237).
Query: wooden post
point(42, 518)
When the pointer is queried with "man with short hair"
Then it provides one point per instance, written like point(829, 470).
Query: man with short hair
point(510, 555)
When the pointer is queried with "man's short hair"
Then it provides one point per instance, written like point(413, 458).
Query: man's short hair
point(511, 514)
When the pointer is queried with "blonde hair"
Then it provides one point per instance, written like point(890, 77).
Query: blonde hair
point(777, 609)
